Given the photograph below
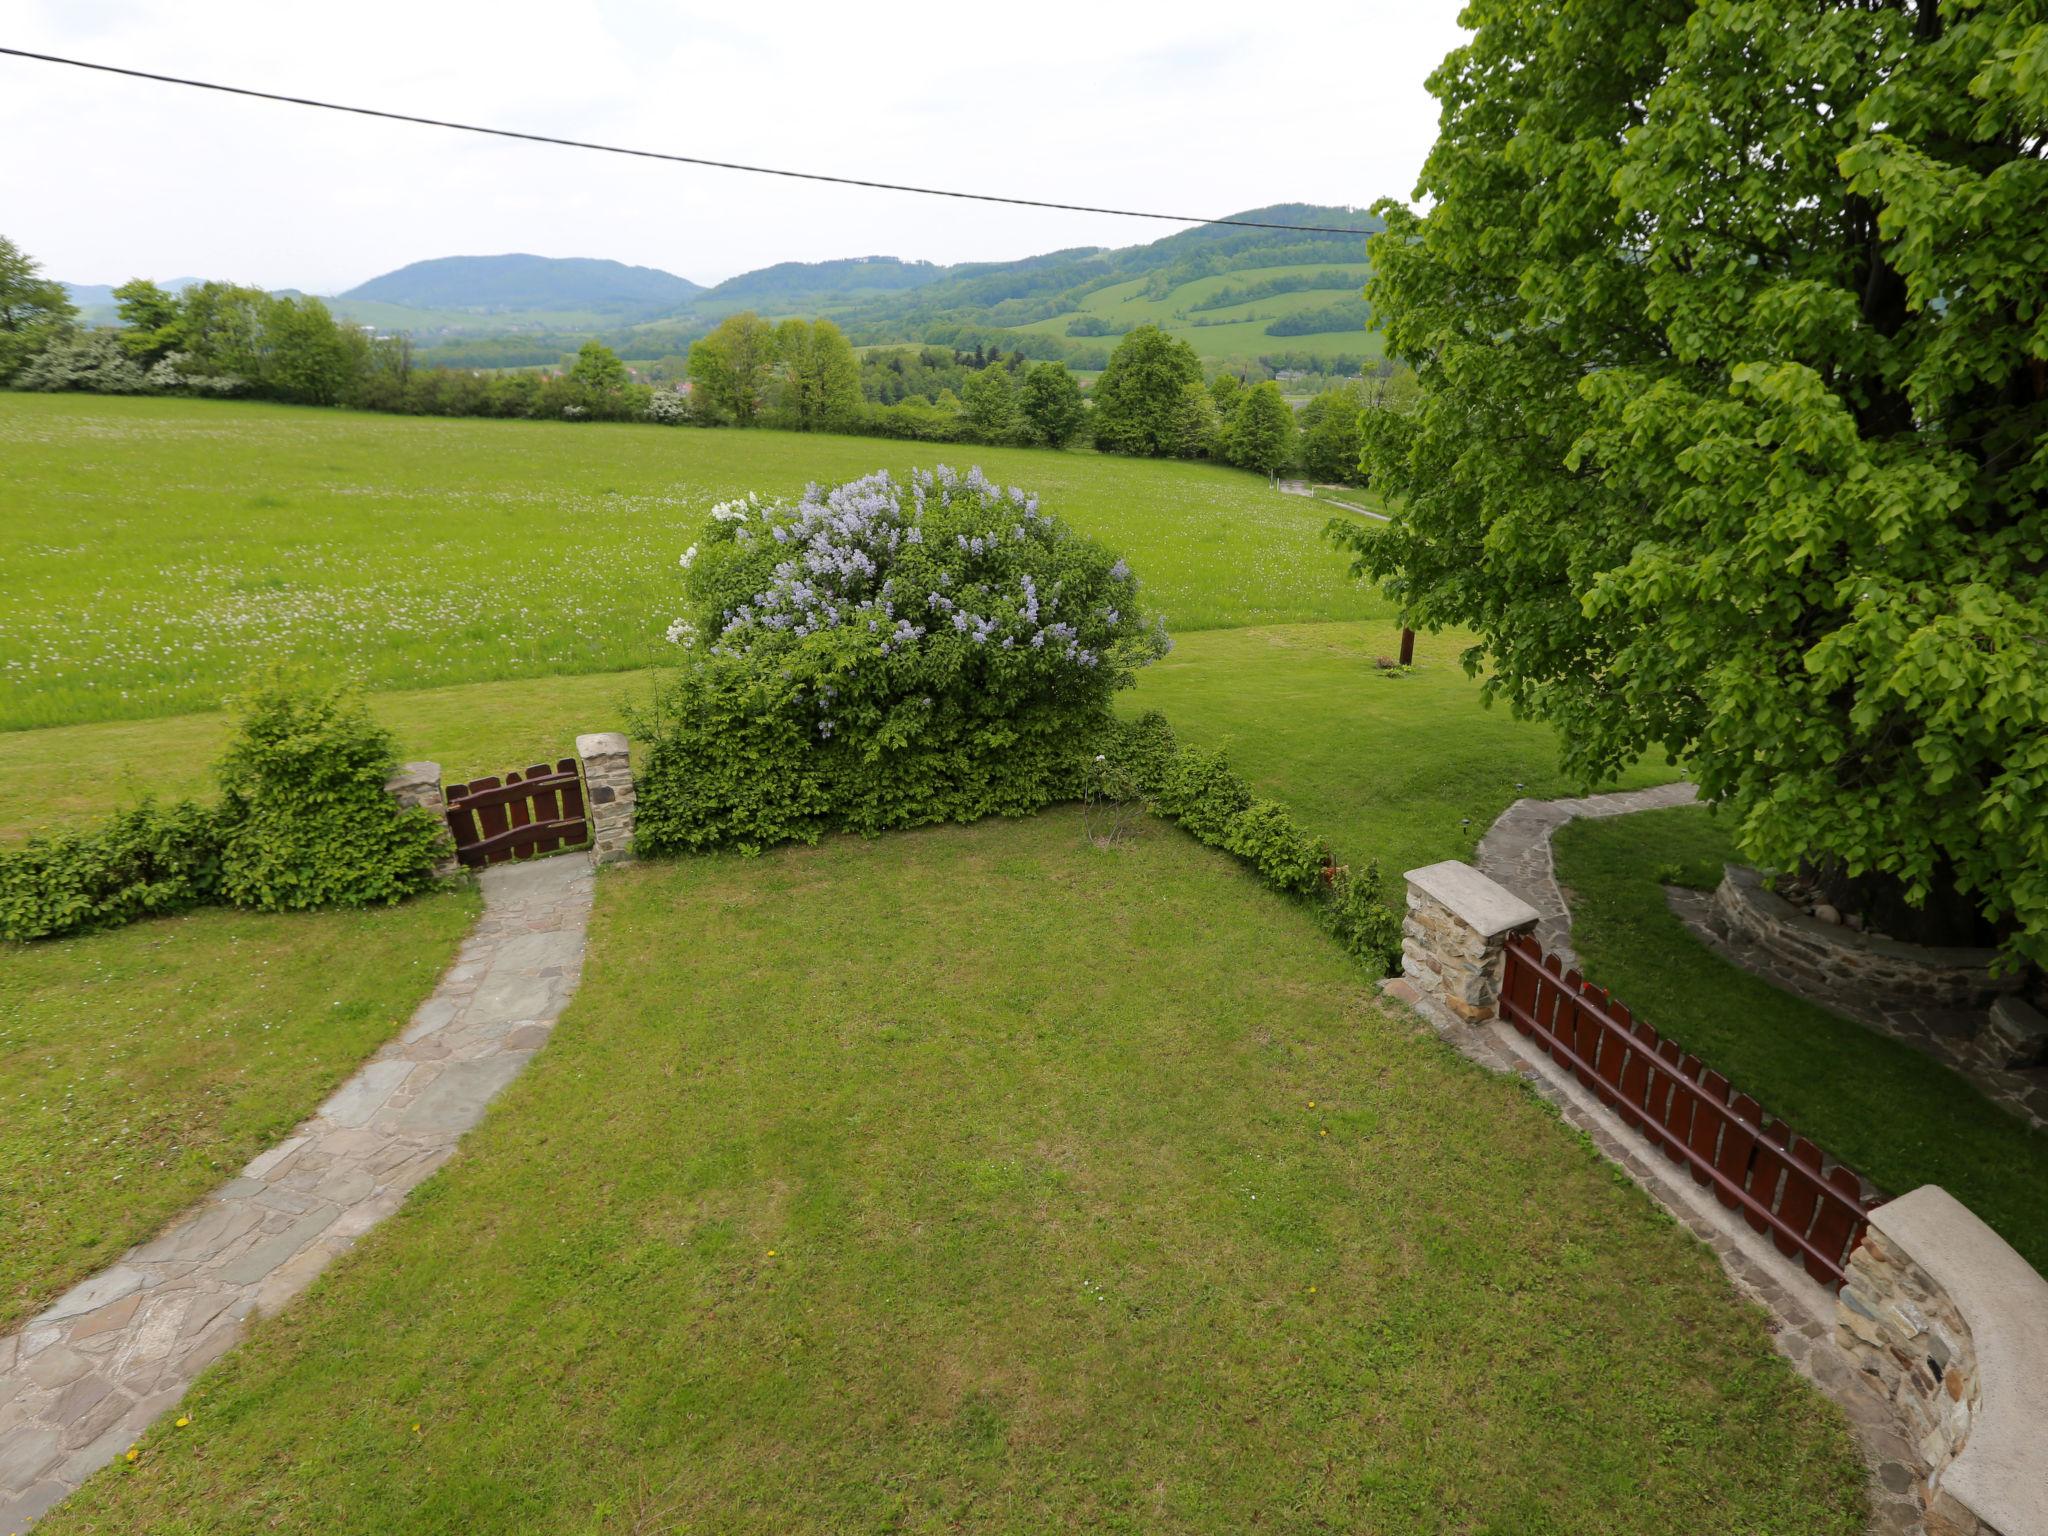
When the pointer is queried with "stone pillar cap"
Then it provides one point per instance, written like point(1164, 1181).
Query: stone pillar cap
point(598, 743)
point(1486, 906)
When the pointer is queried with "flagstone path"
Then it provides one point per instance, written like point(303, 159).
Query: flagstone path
point(81, 1380)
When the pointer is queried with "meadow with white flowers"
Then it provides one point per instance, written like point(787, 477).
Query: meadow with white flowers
point(155, 551)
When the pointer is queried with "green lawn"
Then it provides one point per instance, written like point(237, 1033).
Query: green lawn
point(1884, 1108)
point(983, 1179)
point(157, 550)
point(142, 1067)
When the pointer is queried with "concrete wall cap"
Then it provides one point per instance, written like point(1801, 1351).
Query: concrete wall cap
point(1485, 906)
point(600, 743)
point(412, 772)
point(1999, 1473)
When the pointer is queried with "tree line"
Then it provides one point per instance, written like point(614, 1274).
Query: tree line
point(225, 340)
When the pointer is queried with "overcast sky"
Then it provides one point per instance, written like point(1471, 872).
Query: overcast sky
point(1203, 109)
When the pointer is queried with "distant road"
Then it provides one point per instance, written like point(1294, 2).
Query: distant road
point(1303, 488)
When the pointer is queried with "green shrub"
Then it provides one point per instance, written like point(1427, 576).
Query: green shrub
point(146, 861)
point(307, 821)
point(882, 655)
point(1267, 838)
point(1359, 914)
point(1201, 793)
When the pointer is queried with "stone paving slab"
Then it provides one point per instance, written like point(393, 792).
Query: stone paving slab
point(83, 1378)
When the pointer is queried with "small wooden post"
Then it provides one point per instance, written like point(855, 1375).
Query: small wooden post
point(1407, 647)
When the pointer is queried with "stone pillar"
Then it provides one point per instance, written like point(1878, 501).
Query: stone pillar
point(608, 784)
point(1456, 931)
point(419, 784)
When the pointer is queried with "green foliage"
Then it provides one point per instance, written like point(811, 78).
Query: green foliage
point(1736, 447)
point(307, 821)
point(94, 361)
point(818, 386)
point(1050, 405)
point(990, 405)
point(1199, 790)
point(868, 659)
point(145, 861)
point(1331, 436)
point(1267, 837)
point(1141, 404)
point(733, 368)
point(598, 367)
point(1350, 315)
point(149, 320)
point(1262, 430)
point(33, 308)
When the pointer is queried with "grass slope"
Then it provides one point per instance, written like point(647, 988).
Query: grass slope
point(1882, 1107)
point(1126, 304)
point(163, 547)
point(140, 1068)
point(981, 1179)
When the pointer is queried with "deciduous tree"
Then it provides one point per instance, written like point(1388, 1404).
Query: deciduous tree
point(819, 386)
point(732, 368)
point(1050, 405)
point(31, 307)
point(1262, 430)
point(1139, 404)
point(1731, 335)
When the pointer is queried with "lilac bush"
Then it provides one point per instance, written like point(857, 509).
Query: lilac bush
point(885, 653)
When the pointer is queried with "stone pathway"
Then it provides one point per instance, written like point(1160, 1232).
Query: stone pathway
point(84, 1378)
point(1516, 851)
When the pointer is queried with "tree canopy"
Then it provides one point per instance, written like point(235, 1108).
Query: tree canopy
point(1731, 338)
point(1139, 402)
point(30, 305)
point(732, 368)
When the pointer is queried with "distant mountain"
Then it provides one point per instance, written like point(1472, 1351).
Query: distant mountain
point(94, 296)
point(517, 284)
point(789, 282)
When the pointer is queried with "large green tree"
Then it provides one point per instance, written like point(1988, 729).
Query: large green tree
point(149, 319)
point(32, 307)
point(1262, 430)
point(990, 404)
point(597, 367)
point(819, 387)
point(731, 369)
point(1731, 333)
point(1138, 400)
point(1050, 406)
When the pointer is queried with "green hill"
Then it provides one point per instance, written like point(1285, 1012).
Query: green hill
point(527, 286)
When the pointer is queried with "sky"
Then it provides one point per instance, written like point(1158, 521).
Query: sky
point(1177, 107)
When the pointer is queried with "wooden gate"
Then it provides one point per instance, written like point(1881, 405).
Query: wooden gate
point(522, 816)
point(1753, 1163)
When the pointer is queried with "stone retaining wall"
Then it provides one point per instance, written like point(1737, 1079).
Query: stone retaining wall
point(1953, 1324)
point(1831, 955)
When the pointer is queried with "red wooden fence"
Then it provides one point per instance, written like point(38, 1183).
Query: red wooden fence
point(526, 815)
point(1753, 1163)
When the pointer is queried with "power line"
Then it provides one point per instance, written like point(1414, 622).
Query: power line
point(653, 154)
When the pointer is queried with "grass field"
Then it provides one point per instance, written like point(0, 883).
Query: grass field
point(1880, 1106)
point(157, 549)
point(982, 1179)
point(142, 1067)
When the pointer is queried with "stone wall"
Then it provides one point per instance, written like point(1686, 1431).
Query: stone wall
point(1455, 935)
point(419, 784)
point(608, 786)
point(1829, 955)
point(1953, 1325)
